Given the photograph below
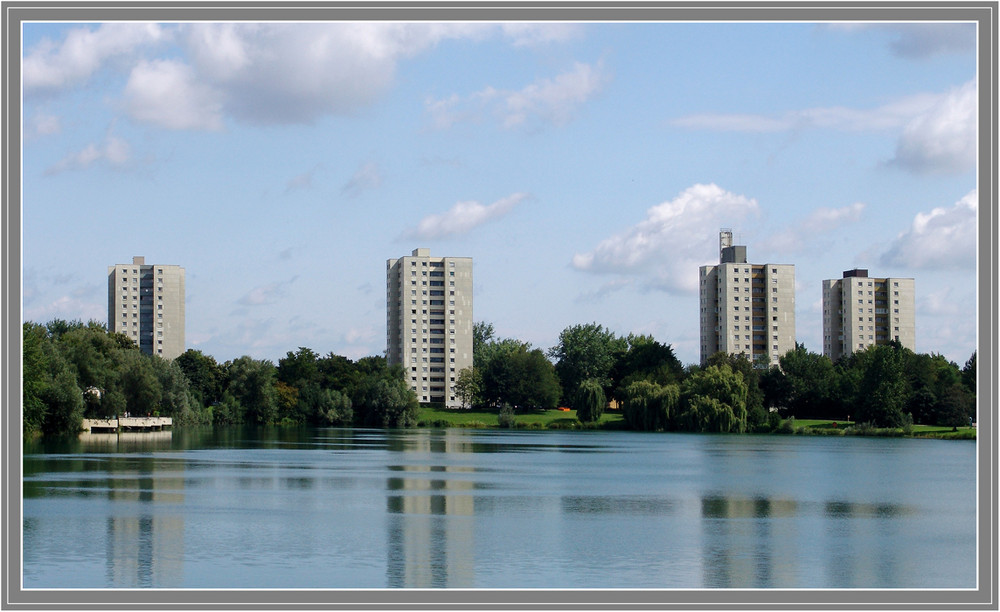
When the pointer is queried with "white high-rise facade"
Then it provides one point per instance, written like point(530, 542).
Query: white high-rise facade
point(146, 303)
point(746, 308)
point(859, 311)
point(429, 322)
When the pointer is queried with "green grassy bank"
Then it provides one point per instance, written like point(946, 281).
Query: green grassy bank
point(535, 419)
point(560, 420)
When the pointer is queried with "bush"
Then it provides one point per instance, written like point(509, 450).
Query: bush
point(787, 426)
point(506, 417)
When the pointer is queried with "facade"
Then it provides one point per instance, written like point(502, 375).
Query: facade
point(429, 322)
point(859, 311)
point(146, 303)
point(746, 308)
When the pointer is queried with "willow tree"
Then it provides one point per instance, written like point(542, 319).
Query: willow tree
point(589, 401)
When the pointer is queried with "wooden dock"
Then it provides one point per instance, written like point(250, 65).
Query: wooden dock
point(127, 424)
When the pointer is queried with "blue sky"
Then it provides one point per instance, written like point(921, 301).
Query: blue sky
point(585, 167)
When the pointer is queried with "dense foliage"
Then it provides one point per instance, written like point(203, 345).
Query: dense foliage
point(73, 371)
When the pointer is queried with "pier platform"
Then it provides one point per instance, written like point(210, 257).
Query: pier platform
point(127, 424)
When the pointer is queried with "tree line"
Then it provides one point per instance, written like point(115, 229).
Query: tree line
point(73, 371)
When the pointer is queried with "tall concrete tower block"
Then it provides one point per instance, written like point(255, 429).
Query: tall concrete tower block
point(429, 322)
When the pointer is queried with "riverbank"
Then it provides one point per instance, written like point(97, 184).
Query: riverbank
point(613, 420)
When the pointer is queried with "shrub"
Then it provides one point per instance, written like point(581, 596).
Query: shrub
point(787, 426)
point(506, 417)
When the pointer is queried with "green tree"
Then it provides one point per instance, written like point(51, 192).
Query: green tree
point(500, 373)
point(881, 390)
point(645, 359)
point(228, 411)
point(332, 407)
point(205, 376)
point(176, 399)
point(969, 374)
point(468, 386)
point(251, 382)
point(139, 385)
point(386, 402)
point(298, 368)
point(647, 406)
point(483, 335)
point(589, 401)
point(587, 351)
point(64, 404)
point(714, 400)
point(810, 385)
point(752, 373)
point(35, 376)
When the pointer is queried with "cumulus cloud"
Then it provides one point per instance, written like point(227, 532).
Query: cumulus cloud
point(941, 140)
point(364, 178)
point(820, 221)
point(168, 93)
point(546, 101)
point(674, 239)
point(51, 66)
point(463, 217)
point(258, 73)
point(113, 150)
point(944, 238)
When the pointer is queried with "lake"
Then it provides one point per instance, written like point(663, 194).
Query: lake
point(457, 508)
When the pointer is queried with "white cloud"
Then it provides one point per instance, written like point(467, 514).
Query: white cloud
point(69, 308)
point(50, 66)
point(889, 116)
point(115, 151)
point(301, 181)
point(266, 294)
point(364, 178)
point(921, 40)
point(168, 93)
point(676, 237)
point(42, 124)
point(282, 73)
point(546, 101)
point(943, 138)
point(944, 238)
point(259, 73)
point(463, 217)
point(535, 34)
point(820, 221)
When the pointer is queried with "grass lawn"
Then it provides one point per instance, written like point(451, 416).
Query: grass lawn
point(535, 419)
point(919, 431)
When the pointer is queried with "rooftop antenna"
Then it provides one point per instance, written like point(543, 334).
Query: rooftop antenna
point(725, 240)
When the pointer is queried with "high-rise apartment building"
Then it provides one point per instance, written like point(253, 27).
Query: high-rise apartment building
point(746, 308)
point(146, 303)
point(429, 322)
point(859, 311)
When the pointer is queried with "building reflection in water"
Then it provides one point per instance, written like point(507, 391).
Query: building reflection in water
point(430, 519)
point(144, 538)
point(747, 542)
point(740, 547)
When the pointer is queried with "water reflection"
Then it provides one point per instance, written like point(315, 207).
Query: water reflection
point(430, 520)
point(431, 536)
point(739, 548)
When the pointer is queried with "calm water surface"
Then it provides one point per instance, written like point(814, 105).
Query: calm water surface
point(338, 508)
